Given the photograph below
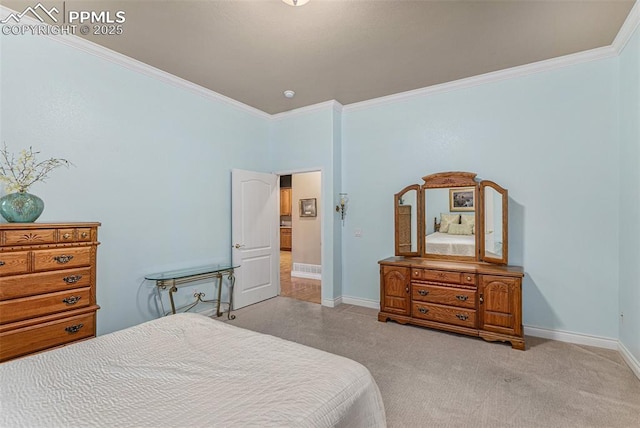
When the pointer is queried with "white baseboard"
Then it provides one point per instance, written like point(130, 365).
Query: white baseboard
point(357, 301)
point(628, 358)
point(559, 335)
point(306, 275)
point(332, 303)
point(570, 337)
point(304, 270)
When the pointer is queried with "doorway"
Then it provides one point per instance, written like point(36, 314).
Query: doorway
point(300, 236)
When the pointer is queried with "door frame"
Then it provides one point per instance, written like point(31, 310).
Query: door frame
point(323, 196)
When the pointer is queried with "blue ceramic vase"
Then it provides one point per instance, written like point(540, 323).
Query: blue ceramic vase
point(21, 207)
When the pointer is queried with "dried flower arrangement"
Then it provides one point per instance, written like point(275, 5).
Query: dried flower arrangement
point(21, 173)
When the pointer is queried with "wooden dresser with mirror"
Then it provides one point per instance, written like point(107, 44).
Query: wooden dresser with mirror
point(450, 270)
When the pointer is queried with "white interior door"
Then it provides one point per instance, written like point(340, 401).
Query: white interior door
point(255, 236)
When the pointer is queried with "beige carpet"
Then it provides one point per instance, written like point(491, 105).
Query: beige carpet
point(433, 379)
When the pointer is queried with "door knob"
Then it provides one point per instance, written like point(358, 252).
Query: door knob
point(238, 246)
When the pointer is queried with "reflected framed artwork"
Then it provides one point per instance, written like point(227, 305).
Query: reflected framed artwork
point(462, 199)
point(308, 207)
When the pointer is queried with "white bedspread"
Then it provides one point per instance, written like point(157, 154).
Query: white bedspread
point(444, 243)
point(187, 370)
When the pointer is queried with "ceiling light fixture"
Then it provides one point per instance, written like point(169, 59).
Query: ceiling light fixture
point(296, 2)
point(289, 93)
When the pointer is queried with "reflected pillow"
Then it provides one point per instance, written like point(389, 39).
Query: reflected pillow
point(446, 220)
point(460, 229)
point(469, 219)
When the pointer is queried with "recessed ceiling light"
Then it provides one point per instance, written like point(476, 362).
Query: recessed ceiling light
point(289, 93)
point(296, 2)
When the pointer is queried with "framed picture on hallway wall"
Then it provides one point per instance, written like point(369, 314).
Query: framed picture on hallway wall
point(308, 207)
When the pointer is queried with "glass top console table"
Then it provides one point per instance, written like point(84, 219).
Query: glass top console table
point(175, 278)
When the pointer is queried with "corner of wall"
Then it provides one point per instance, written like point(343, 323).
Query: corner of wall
point(630, 359)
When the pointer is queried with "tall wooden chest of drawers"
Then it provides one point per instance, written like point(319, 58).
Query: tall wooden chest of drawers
point(47, 285)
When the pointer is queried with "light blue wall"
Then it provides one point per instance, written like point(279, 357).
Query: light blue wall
point(152, 163)
point(550, 138)
point(308, 141)
point(630, 195)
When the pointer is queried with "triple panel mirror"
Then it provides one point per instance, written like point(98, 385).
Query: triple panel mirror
point(452, 216)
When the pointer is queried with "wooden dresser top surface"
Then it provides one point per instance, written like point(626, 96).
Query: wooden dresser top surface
point(471, 267)
point(11, 226)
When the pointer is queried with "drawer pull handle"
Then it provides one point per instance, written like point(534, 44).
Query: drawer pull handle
point(462, 298)
point(72, 279)
point(406, 289)
point(468, 278)
point(416, 273)
point(481, 298)
point(73, 328)
point(423, 310)
point(441, 274)
point(71, 300)
point(1, 263)
point(63, 259)
point(84, 234)
point(462, 317)
point(423, 292)
point(66, 236)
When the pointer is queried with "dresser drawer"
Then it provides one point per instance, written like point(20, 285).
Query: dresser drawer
point(468, 278)
point(443, 276)
point(22, 341)
point(31, 284)
point(80, 234)
point(14, 263)
point(444, 314)
point(66, 235)
point(29, 237)
point(45, 304)
point(61, 258)
point(444, 295)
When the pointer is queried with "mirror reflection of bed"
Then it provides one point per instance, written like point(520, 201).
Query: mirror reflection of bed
point(460, 243)
point(448, 232)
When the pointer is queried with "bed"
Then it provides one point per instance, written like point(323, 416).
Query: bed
point(445, 243)
point(444, 240)
point(188, 370)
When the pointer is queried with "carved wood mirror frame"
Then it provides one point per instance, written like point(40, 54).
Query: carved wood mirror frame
point(452, 180)
point(409, 226)
point(502, 255)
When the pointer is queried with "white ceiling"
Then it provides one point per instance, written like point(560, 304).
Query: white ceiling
point(347, 50)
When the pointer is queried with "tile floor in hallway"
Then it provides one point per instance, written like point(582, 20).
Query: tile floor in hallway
point(305, 289)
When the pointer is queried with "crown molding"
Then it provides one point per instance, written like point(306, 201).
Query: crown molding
point(628, 28)
point(631, 23)
point(155, 73)
point(333, 104)
point(129, 63)
point(495, 76)
point(624, 35)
